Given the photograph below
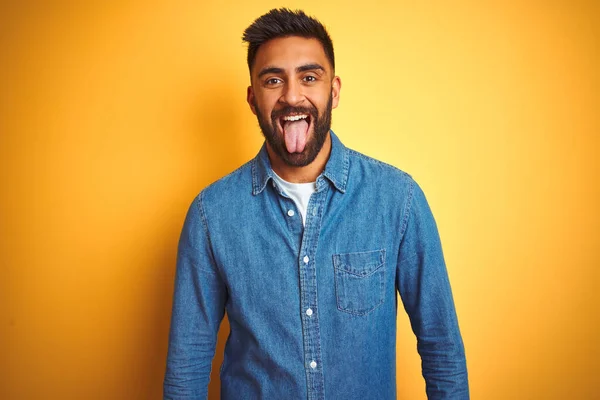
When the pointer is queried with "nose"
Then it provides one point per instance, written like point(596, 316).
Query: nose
point(292, 93)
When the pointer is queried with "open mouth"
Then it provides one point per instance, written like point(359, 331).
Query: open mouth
point(287, 119)
point(295, 130)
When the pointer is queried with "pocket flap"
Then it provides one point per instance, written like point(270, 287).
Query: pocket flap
point(362, 263)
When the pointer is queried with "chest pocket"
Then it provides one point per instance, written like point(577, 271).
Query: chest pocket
point(359, 281)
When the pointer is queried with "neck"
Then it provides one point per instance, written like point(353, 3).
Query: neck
point(308, 173)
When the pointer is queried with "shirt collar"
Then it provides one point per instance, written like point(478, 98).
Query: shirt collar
point(336, 169)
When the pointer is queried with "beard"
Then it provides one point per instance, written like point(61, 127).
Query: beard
point(314, 143)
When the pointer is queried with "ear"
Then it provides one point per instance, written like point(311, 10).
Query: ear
point(250, 99)
point(336, 86)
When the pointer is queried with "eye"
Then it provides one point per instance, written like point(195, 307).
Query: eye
point(272, 81)
point(310, 78)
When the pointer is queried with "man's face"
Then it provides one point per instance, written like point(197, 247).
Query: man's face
point(292, 94)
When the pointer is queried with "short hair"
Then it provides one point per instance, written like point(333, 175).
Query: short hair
point(283, 22)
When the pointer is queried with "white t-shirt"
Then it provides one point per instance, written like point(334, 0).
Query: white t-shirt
point(298, 192)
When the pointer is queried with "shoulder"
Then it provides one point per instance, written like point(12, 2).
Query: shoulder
point(363, 167)
point(235, 185)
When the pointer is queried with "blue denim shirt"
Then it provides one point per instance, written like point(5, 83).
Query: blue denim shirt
point(312, 308)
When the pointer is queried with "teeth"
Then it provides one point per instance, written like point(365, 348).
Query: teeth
point(294, 117)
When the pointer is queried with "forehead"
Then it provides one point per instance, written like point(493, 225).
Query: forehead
point(289, 53)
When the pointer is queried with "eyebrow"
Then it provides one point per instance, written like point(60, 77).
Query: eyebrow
point(302, 68)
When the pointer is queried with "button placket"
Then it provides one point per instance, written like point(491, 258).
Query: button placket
point(308, 295)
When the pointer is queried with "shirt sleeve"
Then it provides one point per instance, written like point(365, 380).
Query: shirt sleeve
point(424, 288)
point(198, 309)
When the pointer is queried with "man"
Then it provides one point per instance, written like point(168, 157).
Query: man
point(305, 247)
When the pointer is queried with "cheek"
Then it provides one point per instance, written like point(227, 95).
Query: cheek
point(320, 97)
point(266, 104)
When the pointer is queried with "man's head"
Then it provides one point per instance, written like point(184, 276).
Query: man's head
point(293, 85)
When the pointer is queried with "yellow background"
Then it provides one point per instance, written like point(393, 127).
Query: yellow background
point(115, 114)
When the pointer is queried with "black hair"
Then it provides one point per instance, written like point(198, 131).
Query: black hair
point(283, 22)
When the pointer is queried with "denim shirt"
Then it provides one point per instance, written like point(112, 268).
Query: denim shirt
point(312, 309)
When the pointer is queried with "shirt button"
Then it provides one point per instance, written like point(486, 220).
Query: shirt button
point(309, 312)
point(313, 364)
point(306, 259)
point(291, 213)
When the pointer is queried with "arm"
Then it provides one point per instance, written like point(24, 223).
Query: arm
point(424, 287)
point(198, 308)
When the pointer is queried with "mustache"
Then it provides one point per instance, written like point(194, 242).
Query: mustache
point(276, 114)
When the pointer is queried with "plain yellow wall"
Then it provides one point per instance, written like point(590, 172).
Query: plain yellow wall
point(115, 114)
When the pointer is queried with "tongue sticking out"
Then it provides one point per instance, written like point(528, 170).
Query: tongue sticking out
point(295, 133)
